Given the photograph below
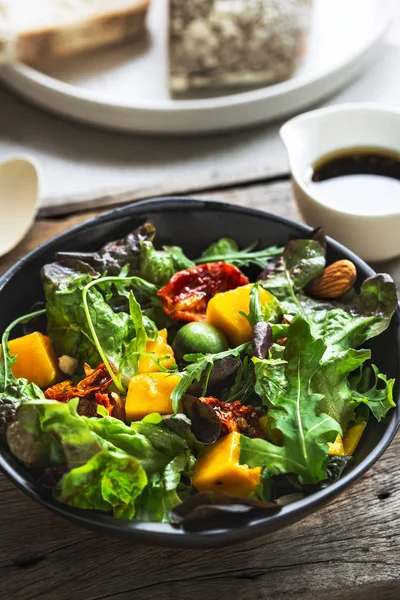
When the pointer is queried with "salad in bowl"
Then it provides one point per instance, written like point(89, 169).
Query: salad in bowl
point(161, 388)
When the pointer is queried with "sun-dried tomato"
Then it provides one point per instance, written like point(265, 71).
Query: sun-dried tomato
point(96, 380)
point(113, 403)
point(235, 416)
point(91, 391)
point(188, 292)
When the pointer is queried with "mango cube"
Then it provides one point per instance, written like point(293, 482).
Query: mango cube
point(223, 311)
point(336, 448)
point(158, 349)
point(352, 438)
point(149, 393)
point(217, 469)
point(36, 359)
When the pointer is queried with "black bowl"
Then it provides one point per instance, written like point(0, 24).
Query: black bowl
point(193, 224)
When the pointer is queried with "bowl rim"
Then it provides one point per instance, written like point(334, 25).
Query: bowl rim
point(164, 534)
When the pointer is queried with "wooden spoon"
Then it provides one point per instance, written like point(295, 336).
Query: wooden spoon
point(19, 199)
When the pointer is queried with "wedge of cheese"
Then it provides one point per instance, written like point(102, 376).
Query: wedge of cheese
point(32, 31)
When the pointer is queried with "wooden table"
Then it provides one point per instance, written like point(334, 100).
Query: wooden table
point(347, 551)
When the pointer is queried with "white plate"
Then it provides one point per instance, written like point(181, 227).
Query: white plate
point(126, 87)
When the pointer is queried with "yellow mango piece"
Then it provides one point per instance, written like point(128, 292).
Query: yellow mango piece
point(352, 437)
point(36, 360)
point(224, 308)
point(217, 469)
point(157, 350)
point(148, 393)
point(336, 448)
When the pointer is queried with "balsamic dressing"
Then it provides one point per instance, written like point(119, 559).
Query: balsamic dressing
point(364, 180)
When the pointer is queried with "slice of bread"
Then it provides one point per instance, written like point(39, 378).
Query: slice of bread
point(218, 45)
point(35, 30)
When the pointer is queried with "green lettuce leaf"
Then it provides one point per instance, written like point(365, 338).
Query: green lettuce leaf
point(161, 494)
point(158, 266)
point(110, 464)
point(109, 481)
point(162, 438)
point(132, 442)
point(223, 247)
point(48, 433)
point(285, 387)
point(344, 325)
point(164, 449)
point(82, 324)
point(360, 318)
point(345, 328)
point(66, 322)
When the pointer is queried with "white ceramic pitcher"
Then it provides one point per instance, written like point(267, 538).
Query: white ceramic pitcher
point(315, 134)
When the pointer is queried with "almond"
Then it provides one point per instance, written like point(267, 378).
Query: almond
point(336, 280)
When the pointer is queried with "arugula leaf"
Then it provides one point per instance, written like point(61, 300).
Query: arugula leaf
point(243, 387)
point(109, 481)
point(158, 266)
point(343, 325)
point(137, 346)
point(284, 387)
point(300, 263)
point(270, 313)
point(200, 364)
point(331, 380)
point(66, 323)
point(379, 397)
point(256, 313)
point(228, 251)
point(83, 325)
point(343, 392)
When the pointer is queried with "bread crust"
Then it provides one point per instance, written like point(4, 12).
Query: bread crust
point(104, 30)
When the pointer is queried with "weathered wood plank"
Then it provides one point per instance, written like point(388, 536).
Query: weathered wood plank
point(348, 551)
point(208, 181)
